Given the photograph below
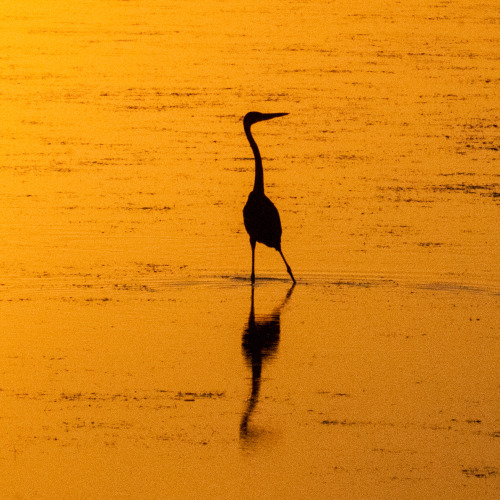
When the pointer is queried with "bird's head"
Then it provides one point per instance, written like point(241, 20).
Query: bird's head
point(255, 116)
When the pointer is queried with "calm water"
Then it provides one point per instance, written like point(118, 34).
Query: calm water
point(134, 365)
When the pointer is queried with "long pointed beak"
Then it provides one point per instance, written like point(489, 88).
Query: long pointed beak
point(268, 116)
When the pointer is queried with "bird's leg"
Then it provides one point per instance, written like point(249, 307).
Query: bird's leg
point(252, 276)
point(287, 266)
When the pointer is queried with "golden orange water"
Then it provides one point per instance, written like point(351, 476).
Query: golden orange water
point(124, 269)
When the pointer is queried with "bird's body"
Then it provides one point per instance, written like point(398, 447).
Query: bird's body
point(261, 217)
point(262, 220)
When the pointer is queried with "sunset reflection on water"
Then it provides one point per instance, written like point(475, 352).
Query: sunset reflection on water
point(132, 367)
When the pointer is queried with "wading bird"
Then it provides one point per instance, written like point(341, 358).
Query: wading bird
point(261, 217)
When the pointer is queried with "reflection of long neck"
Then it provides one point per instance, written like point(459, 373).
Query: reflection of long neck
point(259, 172)
point(252, 400)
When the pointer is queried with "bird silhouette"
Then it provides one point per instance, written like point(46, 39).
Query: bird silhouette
point(261, 217)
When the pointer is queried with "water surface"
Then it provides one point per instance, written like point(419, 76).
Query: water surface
point(134, 365)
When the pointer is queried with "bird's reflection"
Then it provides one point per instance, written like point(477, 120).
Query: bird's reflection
point(260, 342)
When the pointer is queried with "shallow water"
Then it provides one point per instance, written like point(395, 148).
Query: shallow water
point(132, 365)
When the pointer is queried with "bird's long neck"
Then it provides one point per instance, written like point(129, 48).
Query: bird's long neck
point(259, 172)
